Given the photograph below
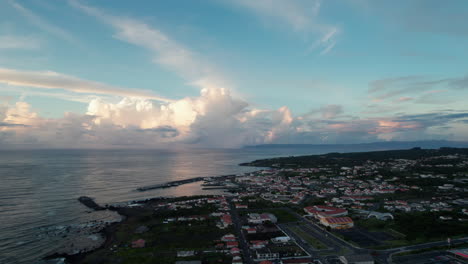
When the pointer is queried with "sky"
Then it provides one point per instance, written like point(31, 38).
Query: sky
point(231, 73)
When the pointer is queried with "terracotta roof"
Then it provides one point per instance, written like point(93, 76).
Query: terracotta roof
point(339, 220)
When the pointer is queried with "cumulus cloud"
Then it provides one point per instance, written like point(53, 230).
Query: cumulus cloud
point(215, 118)
point(54, 80)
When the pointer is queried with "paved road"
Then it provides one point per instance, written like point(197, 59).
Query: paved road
point(302, 243)
point(329, 239)
point(247, 258)
point(385, 256)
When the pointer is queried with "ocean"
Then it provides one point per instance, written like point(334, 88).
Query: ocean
point(39, 188)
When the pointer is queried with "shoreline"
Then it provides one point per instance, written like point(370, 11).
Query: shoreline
point(107, 232)
point(126, 210)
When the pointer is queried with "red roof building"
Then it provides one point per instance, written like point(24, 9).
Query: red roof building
point(337, 222)
point(320, 211)
point(140, 243)
point(232, 244)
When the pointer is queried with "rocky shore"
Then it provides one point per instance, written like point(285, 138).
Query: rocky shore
point(83, 239)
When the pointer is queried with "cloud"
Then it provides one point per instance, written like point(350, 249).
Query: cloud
point(459, 83)
point(54, 80)
point(167, 52)
point(19, 42)
point(413, 84)
point(301, 17)
point(331, 111)
point(326, 112)
point(213, 119)
point(43, 24)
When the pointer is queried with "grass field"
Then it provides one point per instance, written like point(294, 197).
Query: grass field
point(308, 238)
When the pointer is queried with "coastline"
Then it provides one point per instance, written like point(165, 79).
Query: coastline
point(127, 210)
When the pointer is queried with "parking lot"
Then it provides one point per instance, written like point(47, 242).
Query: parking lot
point(364, 238)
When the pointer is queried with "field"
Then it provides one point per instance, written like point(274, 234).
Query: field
point(308, 238)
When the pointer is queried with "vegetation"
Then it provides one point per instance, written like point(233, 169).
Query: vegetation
point(356, 158)
point(308, 238)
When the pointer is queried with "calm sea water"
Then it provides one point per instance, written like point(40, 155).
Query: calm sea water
point(39, 188)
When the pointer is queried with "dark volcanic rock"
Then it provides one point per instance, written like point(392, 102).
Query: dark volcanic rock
point(89, 202)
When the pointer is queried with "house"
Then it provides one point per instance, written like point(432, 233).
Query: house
point(282, 239)
point(226, 220)
point(257, 244)
point(337, 222)
point(241, 206)
point(251, 230)
point(357, 259)
point(236, 260)
point(188, 253)
point(235, 251)
point(232, 244)
point(228, 237)
point(255, 218)
point(140, 243)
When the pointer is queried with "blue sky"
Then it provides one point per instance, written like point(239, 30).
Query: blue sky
point(228, 73)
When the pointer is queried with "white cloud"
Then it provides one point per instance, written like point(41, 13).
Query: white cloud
point(19, 42)
point(302, 17)
point(213, 119)
point(54, 80)
point(166, 51)
point(43, 24)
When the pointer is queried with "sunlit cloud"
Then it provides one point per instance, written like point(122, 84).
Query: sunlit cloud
point(54, 80)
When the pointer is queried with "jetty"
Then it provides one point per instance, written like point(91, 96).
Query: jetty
point(186, 181)
point(169, 184)
point(89, 202)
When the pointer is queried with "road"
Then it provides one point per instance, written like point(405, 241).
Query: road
point(385, 256)
point(335, 243)
point(243, 245)
point(302, 243)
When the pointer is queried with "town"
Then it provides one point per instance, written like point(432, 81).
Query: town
point(325, 209)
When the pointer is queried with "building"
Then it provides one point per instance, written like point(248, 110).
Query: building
point(140, 243)
point(337, 222)
point(320, 211)
point(357, 259)
point(232, 244)
point(282, 239)
point(461, 254)
point(255, 218)
point(265, 254)
point(226, 220)
point(188, 253)
point(228, 237)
